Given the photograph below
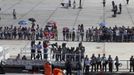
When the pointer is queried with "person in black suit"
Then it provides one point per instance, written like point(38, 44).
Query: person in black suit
point(104, 3)
point(127, 1)
point(68, 66)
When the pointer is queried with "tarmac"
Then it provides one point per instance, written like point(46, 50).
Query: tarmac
point(91, 14)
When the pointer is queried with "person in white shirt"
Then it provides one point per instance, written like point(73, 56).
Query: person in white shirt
point(117, 31)
point(104, 62)
point(98, 62)
point(87, 65)
point(39, 52)
point(78, 34)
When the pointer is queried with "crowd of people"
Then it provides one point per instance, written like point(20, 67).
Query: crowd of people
point(58, 52)
point(62, 53)
point(98, 63)
point(27, 33)
point(99, 34)
point(73, 57)
point(93, 34)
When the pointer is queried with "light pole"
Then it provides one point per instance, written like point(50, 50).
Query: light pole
point(104, 14)
point(104, 20)
point(104, 49)
point(0, 11)
point(104, 2)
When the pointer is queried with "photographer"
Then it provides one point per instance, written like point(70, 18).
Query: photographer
point(117, 63)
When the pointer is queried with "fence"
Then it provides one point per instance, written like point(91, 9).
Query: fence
point(124, 63)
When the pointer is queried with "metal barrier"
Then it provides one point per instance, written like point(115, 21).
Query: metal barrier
point(26, 51)
point(124, 64)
